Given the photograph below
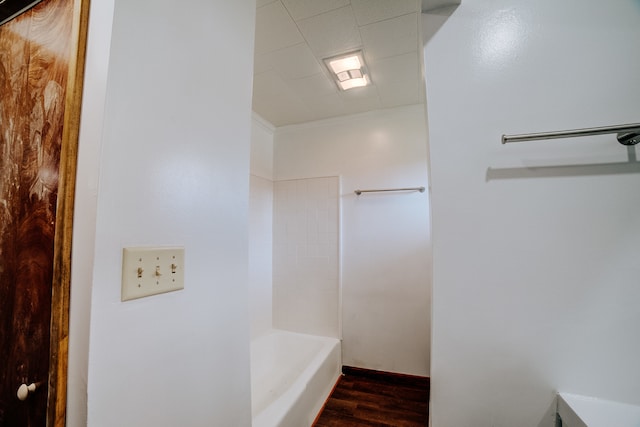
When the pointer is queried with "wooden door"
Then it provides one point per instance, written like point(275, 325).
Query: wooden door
point(39, 106)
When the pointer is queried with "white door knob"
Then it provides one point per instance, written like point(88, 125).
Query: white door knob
point(24, 390)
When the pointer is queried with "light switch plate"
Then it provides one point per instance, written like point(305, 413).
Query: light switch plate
point(151, 271)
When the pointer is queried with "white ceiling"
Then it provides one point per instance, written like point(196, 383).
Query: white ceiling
point(291, 83)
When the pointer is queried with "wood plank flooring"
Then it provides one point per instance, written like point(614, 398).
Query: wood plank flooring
point(375, 399)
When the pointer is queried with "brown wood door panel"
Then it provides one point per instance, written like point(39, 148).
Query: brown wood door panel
point(41, 57)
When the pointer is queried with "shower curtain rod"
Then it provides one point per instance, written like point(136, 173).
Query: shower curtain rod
point(420, 189)
point(627, 134)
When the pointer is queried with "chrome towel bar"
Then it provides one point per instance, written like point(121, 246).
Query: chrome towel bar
point(626, 134)
point(420, 189)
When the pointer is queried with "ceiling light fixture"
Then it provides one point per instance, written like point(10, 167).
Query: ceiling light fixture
point(348, 70)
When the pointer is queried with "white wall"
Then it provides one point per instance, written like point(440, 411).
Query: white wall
point(174, 169)
point(85, 205)
point(261, 147)
point(385, 237)
point(261, 227)
point(535, 261)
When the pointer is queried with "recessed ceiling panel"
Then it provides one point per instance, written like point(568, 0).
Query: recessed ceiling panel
point(327, 107)
point(320, 95)
point(428, 5)
point(391, 37)
point(361, 99)
point(276, 102)
point(301, 9)
point(331, 33)
point(295, 62)
point(262, 62)
point(291, 82)
point(260, 3)
point(313, 87)
point(398, 80)
point(275, 28)
point(369, 11)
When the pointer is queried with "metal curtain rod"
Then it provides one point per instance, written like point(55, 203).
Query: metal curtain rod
point(627, 134)
point(420, 189)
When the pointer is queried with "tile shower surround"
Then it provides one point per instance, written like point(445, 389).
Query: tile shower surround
point(306, 256)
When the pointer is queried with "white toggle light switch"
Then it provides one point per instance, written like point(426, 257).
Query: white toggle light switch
point(150, 271)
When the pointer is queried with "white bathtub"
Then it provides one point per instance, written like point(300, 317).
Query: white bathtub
point(291, 377)
point(583, 411)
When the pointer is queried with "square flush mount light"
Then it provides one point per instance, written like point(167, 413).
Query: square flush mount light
point(348, 70)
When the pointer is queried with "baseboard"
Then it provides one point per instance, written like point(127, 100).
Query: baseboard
point(388, 377)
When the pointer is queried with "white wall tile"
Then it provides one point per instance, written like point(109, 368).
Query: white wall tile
point(306, 286)
point(261, 254)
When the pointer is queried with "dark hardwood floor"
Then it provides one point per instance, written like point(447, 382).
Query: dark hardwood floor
point(372, 398)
